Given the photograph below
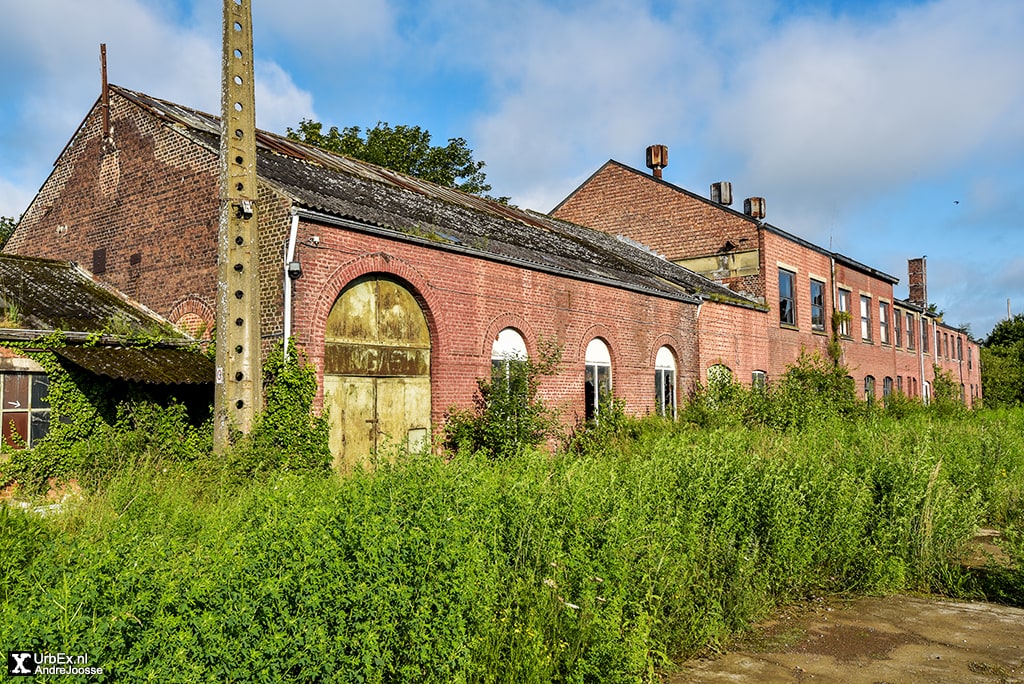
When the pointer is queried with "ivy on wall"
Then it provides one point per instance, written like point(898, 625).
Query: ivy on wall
point(99, 425)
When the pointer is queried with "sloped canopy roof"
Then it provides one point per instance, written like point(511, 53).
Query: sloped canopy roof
point(40, 296)
point(363, 196)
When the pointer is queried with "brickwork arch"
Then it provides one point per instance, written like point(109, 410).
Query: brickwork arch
point(517, 323)
point(374, 263)
point(194, 315)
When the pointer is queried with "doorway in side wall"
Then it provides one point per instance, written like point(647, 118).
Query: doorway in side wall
point(376, 370)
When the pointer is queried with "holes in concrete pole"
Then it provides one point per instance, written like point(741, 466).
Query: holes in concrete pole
point(238, 349)
point(239, 267)
point(238, 80)
point(238, 106)
point(238, 26)
point(239, 240)
point(240, 187)
point(239, 159)
point(239, 322)
point(239, 294)
point(239, 404)
point(238, 54)
point(239, 375)
point(239, 133)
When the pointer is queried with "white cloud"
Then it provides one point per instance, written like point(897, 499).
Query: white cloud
point(279, 102)
point(837, 109)
point(50, 49)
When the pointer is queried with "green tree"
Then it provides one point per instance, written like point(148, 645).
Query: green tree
point(1002, 364)
point(7, 226)
point(402, 148)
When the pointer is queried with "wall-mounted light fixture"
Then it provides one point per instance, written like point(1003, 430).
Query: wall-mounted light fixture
point(294, 270)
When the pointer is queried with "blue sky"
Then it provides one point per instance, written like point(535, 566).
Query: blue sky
point(886, 130)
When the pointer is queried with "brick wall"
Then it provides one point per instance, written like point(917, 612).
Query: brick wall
point(670, 220)
point(733, 336)
point(468, 300)
point(147, 198)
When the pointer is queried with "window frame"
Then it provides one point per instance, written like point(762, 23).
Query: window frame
point(597, 372)
point(817, 307)
point(34, 415)
point(865, 318)
point(845, 298)
point(665, 379)
point(883, 322)
point(790, 277)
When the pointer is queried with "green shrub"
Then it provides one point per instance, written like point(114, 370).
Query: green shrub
point(508, 416)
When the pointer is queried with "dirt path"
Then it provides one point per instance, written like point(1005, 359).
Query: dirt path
point(898, 639)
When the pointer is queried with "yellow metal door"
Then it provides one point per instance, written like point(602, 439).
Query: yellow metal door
point(376, 370)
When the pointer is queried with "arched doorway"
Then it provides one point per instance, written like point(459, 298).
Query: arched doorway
point(376, 369)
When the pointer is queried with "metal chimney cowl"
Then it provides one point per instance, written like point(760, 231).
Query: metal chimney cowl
point(754, 207)
point(721, 193)
point(657, 159)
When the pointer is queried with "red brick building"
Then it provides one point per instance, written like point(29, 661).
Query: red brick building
point(408, 291)
point(889, 344)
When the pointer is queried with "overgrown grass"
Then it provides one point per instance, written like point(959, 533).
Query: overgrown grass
point(598, 564)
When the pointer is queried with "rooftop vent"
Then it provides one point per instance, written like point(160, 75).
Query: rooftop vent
point(657, 159)
point(754, 207)
point(721, 193)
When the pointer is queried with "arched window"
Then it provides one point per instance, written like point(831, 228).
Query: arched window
point(759, 379)
point(665, 383)
point(869, 389)
point(719, 375)
point(597, 378)
point(926, 394)
point(508, 347)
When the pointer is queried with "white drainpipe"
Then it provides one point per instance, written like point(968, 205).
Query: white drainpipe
point(289, 257)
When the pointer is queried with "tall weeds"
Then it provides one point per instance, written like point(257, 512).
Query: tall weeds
point(597, 564)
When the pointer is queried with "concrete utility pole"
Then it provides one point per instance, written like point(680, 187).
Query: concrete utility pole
point(238, 394)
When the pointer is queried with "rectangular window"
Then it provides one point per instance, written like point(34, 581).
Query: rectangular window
point(787, 301)
point(844, 308)
point(817, 306)
point(945, 345)
point(865, 318)
point(960, 349)
point(758, 379)
point(24, 408)
point(910, 330)
point(969, 358)
point(883, 322)
point(897, 328)
point(924, 335)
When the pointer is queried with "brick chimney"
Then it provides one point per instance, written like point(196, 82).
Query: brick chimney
point(657, 159)
point(918, 281)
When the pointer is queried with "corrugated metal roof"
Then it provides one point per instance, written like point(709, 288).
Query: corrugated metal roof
point(340, 187)
point(153, 365)
point(44, 294)
point(38, 296)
